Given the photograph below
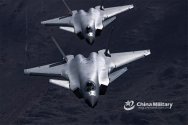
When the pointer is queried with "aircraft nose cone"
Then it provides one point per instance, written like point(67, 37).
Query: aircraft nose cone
point(92, 101)
point(90, 38)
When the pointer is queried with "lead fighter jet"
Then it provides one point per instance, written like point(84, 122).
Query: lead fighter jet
point(87, 77)
point(87, 25)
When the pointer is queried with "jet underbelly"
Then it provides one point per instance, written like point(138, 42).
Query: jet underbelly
point(103, 71)
point(87, 69)
point(73, 75)
point(77, 22)
point(96, 17)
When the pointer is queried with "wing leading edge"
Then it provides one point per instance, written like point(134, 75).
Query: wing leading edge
point(120, 59)
point(110, 12)
point(54, 69)
point(60, 21)
point(117, 60)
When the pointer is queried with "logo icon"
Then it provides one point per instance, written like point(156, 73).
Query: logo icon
point(129, 105)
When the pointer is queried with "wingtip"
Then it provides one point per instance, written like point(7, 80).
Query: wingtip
point(26, 72)
point(131, 6)
point(51, 81)
point(147, 52)
point(43, 22)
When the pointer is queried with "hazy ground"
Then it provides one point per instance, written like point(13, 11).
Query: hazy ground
point(159, 25)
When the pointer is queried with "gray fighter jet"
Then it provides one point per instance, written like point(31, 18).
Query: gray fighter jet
point(88, 77)
point(87, 25)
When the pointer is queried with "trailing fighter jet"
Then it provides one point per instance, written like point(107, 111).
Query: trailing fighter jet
point(87, 77)
point(87, 25)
